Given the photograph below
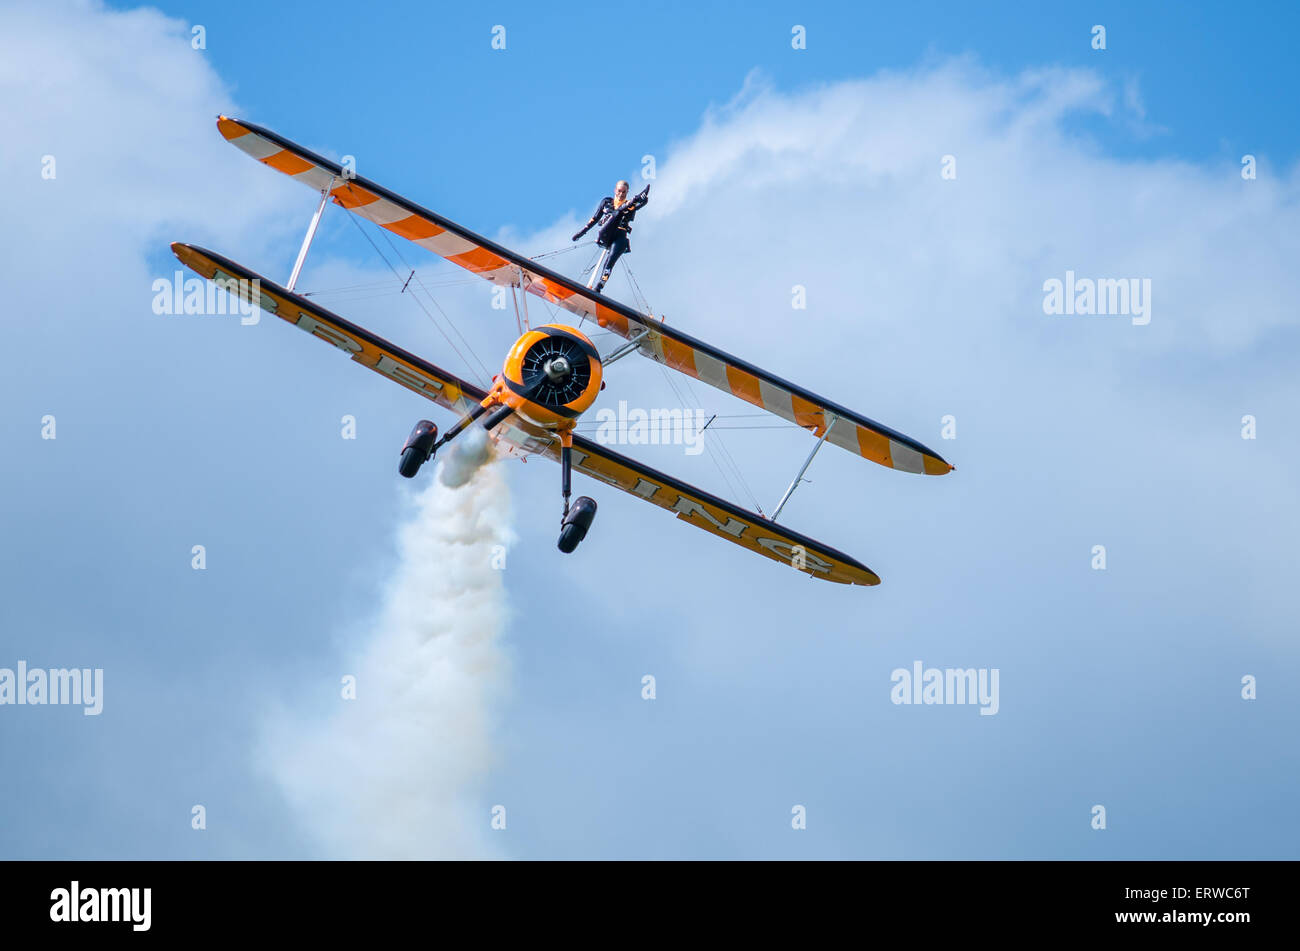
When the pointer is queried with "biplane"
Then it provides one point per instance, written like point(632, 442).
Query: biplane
point(553, 372)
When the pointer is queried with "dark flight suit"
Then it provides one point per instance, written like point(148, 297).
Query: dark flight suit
point(615, 225)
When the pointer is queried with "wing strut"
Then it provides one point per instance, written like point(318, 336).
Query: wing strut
point(311, 233)
point(806, 463)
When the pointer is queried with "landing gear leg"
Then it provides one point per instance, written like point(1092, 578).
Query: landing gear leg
point(566, 472)
point(574, 522)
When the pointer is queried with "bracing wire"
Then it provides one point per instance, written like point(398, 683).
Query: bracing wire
point(724, 454)
point(487, 375)
point(641, 300)
point(722, 460)
point(722, 446)
point(397, 274)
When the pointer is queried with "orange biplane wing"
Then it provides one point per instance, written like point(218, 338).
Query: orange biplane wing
point(717, 516)
point(699, 508)
point(361, 345)
point(655, 339)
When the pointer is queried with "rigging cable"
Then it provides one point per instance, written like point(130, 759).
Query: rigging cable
point(487, 375)
point(398, 275)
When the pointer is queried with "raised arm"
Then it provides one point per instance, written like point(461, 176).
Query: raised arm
point(595, 216)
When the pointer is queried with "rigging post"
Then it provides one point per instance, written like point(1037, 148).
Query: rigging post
point(598, 269)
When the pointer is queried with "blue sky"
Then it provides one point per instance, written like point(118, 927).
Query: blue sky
point(581, 94)
point(776, 167)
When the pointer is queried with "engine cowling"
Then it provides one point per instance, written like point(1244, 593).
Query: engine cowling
point(551, 376)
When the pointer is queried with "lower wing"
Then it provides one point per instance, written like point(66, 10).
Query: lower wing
point(692, 505)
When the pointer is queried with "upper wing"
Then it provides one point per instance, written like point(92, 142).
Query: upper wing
point(360, 344)
point(667, 345)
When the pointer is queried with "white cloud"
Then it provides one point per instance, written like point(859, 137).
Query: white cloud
point(127, 108)
point(924, 299)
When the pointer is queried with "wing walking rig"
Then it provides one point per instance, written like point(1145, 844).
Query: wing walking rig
point(553, 373)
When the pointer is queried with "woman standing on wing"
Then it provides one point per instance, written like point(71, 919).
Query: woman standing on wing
point(615, 216)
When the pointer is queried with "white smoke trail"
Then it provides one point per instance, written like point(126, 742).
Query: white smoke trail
point(468, 454)
point(395, 772)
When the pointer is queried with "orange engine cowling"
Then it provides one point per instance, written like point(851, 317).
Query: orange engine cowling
point(551, 376)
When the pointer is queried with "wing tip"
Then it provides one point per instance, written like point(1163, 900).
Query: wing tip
point(230, 128)
point(850, 572)
point(933, 464)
